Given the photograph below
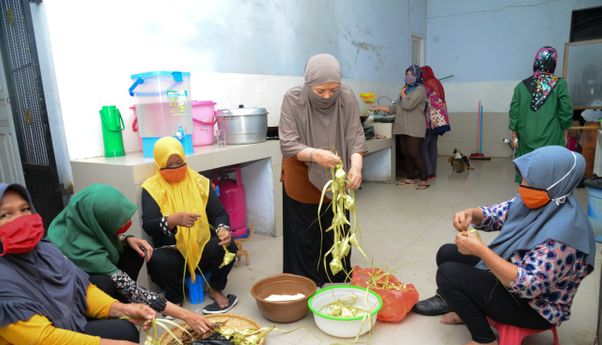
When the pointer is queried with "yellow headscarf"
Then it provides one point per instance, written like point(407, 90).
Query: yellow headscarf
point(189, 195)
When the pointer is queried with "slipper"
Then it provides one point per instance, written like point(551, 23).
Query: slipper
point(214, 308)
point(405, 182)
point(422, 186)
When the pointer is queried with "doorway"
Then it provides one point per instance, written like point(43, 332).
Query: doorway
point(27, 105)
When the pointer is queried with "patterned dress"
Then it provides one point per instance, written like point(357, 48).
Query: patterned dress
point(548, 275)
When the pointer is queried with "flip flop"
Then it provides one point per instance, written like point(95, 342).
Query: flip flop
point(406, 181)
point(214, 308)
point(422, 186)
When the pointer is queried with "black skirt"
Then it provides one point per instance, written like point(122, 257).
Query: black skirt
point(303, 254)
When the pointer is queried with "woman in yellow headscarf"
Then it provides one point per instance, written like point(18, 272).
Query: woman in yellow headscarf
point(189, 226)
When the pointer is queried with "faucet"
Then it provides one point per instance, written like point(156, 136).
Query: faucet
point(381, 97)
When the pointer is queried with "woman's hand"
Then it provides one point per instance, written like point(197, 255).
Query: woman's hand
point(403, 91)
point(325, 158)
point(186, 219)
point(225, 237)
point(377, 108)
point(463, 219)
point(198, 323)
point(141, 246)
point(514, 142)
point(354, 177)
point(138, 314)
point(469, 244)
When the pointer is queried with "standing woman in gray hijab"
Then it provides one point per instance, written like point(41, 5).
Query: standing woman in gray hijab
point(317, 118)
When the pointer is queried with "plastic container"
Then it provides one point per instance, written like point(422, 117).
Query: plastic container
point(163, 108)
point(112, 127)
point(283, 284)
point(345, 327)
point(232, 196)
point(594, 205)
point(203, 122)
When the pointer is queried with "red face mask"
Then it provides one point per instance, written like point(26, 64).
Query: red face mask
point(174, 175)
point(533, 198)
point(124, 228)
point(22, 234)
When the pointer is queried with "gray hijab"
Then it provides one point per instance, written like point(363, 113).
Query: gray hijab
point(558, 170)
point(308, 120)
point(41, 282)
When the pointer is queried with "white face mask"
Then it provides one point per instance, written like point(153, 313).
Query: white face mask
point(561, 199)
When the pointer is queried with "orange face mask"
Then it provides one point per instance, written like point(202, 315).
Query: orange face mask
point(533, 198)
point(174, 175)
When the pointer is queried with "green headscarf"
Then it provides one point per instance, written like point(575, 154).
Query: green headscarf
point(85, 230)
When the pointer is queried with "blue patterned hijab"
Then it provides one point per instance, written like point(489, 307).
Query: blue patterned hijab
point(562, 219)
point(41, 282)
point(417, 72)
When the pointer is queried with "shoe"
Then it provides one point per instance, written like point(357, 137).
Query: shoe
point(433, 306)
point(214, 308)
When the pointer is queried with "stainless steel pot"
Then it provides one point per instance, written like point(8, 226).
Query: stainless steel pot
point(243, 125)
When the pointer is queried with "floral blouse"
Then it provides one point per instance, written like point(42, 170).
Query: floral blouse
point(548, 275)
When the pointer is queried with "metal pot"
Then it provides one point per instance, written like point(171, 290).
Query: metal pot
point(243, 125)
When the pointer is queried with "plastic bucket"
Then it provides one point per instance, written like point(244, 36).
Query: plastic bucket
point(203, 122)
point(594, 206)
point(112, 126)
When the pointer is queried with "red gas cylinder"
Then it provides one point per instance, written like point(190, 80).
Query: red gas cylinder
point(232, 195)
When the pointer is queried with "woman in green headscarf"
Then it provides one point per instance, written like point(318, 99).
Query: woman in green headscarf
point(89, 232)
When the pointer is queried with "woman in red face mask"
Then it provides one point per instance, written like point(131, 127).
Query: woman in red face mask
point(88, 232)
point(529, 274)
point(179, 208)
point(44, 297)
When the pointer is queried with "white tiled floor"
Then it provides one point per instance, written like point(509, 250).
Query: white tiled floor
point(402, 230)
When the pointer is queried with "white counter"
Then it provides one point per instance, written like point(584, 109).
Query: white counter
point(261, 166)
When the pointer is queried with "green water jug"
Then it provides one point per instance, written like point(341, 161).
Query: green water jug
point(112, 126)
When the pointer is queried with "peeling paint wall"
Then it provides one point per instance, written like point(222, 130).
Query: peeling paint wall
point(238, 52)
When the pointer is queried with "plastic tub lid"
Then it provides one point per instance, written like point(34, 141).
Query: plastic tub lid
point(157, 74)
point(203, 103)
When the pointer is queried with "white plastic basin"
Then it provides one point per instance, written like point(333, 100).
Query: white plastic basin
point(345, 327)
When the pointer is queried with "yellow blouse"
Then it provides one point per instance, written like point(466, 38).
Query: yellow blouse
point(39, 330)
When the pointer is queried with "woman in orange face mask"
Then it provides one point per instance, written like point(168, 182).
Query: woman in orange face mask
point(180, 209)
point(529, 274)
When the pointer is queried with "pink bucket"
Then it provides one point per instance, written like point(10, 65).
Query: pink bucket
point(203, 122)
point(135, 126)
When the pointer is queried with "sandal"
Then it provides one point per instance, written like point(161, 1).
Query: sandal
point(214, 308)
point(405, 182)
point(423, 185)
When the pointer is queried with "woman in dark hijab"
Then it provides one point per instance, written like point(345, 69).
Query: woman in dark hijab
point(319, 127)
point(541, 109)
point(44, 297)
point(529, 274)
